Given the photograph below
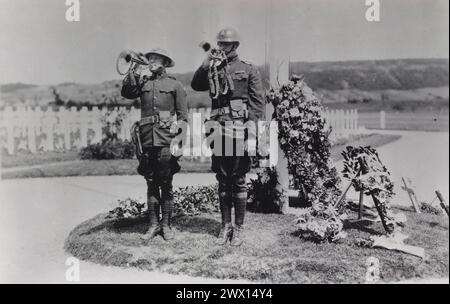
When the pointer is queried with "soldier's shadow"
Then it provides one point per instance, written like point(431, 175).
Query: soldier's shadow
point(365, 226)
point(197, 224)
point(191, 224)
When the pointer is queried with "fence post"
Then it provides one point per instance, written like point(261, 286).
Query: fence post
point(31, 129)
point(333, 124)
point(382, 120)
point(96, 125)
point(347, 123)
point(84, 120)
point(65, 123)
point(74, 126)
point(9, 130)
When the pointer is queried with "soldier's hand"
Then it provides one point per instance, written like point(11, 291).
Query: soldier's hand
point(176, 150)
point(174, 128)
point(131, 77)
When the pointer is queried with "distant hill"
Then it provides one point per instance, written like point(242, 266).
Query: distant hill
point(11, 87)
point(404, 74)
point(347, 81)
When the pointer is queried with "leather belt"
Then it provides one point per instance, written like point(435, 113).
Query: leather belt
point(220, 111)
point(149, 120)
point(227, 110)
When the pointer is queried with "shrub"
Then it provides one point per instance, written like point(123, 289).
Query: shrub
point(109, 149)
point(127, 208)
point(263, 195)
point(188, 201)
point(194, 200)
point(111, 146)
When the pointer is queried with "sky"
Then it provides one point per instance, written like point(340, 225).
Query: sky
point(38, 45)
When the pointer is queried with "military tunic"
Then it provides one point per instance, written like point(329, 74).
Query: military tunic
point(230, 170)
point(161, 96)
point(247, 86)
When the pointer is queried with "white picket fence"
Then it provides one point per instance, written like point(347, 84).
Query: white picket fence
point(34, 130)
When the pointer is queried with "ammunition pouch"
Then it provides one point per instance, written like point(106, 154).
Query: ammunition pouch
point(165, 119)
point(237, 110)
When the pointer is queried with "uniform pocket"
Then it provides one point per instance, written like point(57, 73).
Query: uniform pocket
point(239, 75)
point(165, 98)
point(240, 82)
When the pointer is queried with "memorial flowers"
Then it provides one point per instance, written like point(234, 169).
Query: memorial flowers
point(303, 137)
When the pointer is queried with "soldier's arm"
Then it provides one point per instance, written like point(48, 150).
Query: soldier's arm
point(256, 104)
point(130, 87)
point(181, 103)
point(200, 80)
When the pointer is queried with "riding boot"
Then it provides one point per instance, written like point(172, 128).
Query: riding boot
point(225, 209)
point(166, 207)
point(153, 209)
point(239, 196)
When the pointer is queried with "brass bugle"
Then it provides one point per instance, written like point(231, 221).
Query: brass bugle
point(130, 60)
point(205, 45)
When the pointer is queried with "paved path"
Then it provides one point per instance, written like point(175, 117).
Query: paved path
point(36, 215)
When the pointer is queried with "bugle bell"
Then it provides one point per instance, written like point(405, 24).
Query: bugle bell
point(205, 45)
point(130, 60)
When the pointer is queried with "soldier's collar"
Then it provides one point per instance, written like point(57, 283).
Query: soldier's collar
point(233, 56)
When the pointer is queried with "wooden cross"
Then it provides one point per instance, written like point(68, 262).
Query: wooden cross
point(412, 195)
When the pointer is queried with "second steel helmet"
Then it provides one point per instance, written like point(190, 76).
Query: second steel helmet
point(228, 34)
point(163, 53)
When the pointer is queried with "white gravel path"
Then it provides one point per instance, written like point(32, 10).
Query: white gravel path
point(36, 215)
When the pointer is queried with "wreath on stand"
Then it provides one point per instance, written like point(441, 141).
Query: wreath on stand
point(304, 139)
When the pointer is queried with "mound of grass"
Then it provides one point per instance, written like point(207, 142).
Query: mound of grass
point(272, 253)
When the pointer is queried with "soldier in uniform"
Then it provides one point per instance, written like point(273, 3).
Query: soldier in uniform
point(231, 170)
point(162, 97)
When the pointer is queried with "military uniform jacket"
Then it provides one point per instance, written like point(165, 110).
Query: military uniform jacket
point(161, 96)
point(247, 85)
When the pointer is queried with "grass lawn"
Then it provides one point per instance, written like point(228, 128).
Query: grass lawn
point(55, 164)
point(272, 253)
point(30, 159)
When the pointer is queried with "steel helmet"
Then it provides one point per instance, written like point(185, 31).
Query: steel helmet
point(228, 34)
point(163, 53)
